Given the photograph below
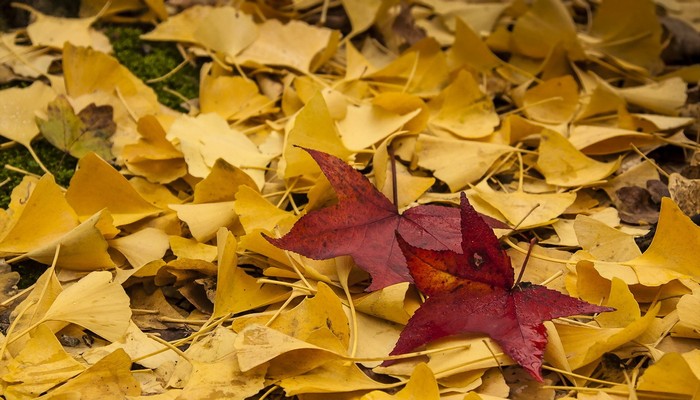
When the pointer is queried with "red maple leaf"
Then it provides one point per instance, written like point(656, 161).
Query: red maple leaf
point(473, 292)
point(363, 224)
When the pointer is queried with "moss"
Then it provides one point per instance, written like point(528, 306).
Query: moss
point(61, 165)
point(149, 60)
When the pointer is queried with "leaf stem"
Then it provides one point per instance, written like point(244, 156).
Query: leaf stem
point(533, 242)
point(395, 192)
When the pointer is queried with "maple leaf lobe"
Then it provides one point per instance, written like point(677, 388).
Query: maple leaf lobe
point(473, 292)
point(363, 224)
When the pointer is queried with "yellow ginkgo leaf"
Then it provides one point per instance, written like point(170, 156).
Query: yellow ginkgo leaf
point(563, 165)
point(585, 345)
point(154, 157)
point(313, 128)
point(403, 103)
point(332, 377)
point(687, 311)
point(87, 71)
point(96, 302)
point(545, 25)
point(257, 344)
point(226, 30)
point(109, 378)
point(367, 124)
point(357, 66)
point(41, 365)
point(421, 69)
point(673, 374)
point(97, 185)
point(463, 109)
point(553, 101)
point(34, 307)
point(665, 97)
point(142, 247)
point(670, 256)
point(439, 155)
point(182, 26)
point(469, 49)
point(319, 320)
point(212, 370)
point(41, 214)
point(222, 183)
point(190, 248)
point(18, 107)
point(393, 303)
point(626, 307)
point(25, 61)
point(83, 248)
point(361, 14)
point(232, 97)
point(136, 344)
point(274, 35)
point(604, 242)
point(255, 212)
point(602, 99)
point(50, 31)
point(207, 138)
point(527, 209)
point(236, 291)
point(205, 219)
point(156, 8)
point(421, 385)
point(633, 39)
point(599, 140)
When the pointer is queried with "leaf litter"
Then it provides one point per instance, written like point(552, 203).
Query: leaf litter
point(266, 243)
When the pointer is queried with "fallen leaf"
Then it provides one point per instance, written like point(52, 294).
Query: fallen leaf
point(206, 218)
point(41, 200)
point(47, 30)
point(220, 141)
point(421, 69)
point(80, 134)
point(236, 291)
point(526, 209)
point(477, 285)
point(462, 109)
point(546, 24)
point(313, 128)
point(18, 109)
point(274, 35)
point(367, 124)
point(232, 97)
point(366, 236)
point(421, 385)
point(41, 365)
point(438, 154)
point(110, 378)
point(95, 302)
point(673, 373)
point(87, 70)
point(153, 156)
point(142, 247)
point(685, 193)
point(628, 39)
point(136, 344)
point(97, 185)
point(586, 344)
point(468, 49)
point(563, 165)
point(553, 101)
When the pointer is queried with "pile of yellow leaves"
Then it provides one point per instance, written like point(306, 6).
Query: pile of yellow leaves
point(161, 284)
